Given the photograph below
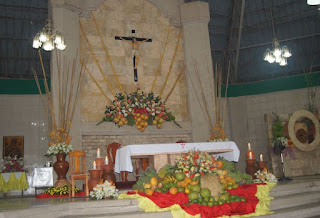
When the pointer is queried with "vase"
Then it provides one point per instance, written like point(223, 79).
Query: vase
point(108, 174)
point(61, 168)
point(251, 167)
point(94, 178)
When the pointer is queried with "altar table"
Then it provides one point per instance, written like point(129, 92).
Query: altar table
point(161, 154)
point(13, 181)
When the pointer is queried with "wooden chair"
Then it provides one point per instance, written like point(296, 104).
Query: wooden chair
point(111, 153)
point(77, 160)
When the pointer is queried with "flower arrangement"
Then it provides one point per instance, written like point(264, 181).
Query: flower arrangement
point(283, 140)
point(104, 190)
point(59, 190)
point(61, 147)
point(10, 164)
point(264, 176)
point(197, 163)
point(217, 133)
point(137, 109)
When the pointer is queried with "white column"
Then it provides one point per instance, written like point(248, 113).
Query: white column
point(195, 17)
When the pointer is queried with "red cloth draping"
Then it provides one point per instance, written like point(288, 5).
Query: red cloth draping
point(45, 195)
point(248, 191)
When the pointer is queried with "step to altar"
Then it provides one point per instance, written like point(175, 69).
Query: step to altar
point(297, 198)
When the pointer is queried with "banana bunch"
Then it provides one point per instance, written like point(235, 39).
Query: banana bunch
point(169, 181)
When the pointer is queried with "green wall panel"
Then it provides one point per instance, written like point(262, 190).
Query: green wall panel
point(21, 87)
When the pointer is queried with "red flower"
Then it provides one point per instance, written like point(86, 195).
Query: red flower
point(193, 175)
point(202, 173)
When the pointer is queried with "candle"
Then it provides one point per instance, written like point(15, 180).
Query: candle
point(98, 153)
point(106, 161)
point(250, 155)
point(261, 157)
point(249, 146)
point(94, 165)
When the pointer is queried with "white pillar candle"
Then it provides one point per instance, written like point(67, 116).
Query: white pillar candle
point(94, 165)
point(106, 161)
point(250, 155)
point(98, 152)
point(261, 157)
point(249, 146)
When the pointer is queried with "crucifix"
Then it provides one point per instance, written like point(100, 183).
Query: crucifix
point(135, 42)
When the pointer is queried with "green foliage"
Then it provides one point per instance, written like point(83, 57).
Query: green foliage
point(59, 190)
point(130, 120)
point(237, 175)
point(277, 129)
point(227, 165)
point(145, 178)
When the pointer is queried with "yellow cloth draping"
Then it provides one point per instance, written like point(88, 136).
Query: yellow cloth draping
point(262, 208)
point(13, 183)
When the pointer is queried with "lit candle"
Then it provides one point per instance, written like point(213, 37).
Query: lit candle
point(106, 161)
point(261, 157)
point(250, 155)
point(98, 153)
point(249, 146)
point(94, 165)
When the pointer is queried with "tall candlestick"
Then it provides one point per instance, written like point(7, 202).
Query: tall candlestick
point(249, 146)
point(250, 155)
point(94, 165)
point(261, 157)
point(106, 161)
point(98, 152)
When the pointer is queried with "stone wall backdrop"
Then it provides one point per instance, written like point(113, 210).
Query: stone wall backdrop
point(118, 18)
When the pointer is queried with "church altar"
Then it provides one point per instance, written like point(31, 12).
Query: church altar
point(161, 154)
point(13, 181)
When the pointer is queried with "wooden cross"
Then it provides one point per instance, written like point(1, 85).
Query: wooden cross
point(135, 42)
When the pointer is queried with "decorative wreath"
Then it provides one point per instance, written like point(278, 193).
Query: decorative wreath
point(304, 146)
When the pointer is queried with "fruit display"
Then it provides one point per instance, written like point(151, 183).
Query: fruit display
point(205, 181)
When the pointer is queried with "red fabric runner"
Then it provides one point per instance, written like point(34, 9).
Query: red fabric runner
point(44, 195)
point(235, 208)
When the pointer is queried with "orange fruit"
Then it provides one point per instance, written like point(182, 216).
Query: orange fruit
point(148, 192)
point(186, 190)
point(136, 190)
point(138, 114)
point(159, 126)
point(219, 162)
point(194, 182)
point(173, 190)
point(187, 180)
point(154, 181)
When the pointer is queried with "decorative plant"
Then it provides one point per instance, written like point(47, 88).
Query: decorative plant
point(137, 109)
point(264, 176)
point(104, 190)
point(12, 164)
point(59, 190)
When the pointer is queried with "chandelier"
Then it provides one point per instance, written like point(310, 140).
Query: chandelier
point(278, 55)
point(48, 37)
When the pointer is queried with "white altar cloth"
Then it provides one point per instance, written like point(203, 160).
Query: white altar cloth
point(123, 155)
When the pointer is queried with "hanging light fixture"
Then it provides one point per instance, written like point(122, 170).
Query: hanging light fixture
point(313, 2)
point(48, 37)
point(278, 54)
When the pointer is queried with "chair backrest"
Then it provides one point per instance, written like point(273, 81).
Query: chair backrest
point(77, 160)
point(111, 152)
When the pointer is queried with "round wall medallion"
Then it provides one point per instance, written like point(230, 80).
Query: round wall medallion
point(304, 146)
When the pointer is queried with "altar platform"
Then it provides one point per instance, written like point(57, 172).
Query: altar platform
point(297, 198)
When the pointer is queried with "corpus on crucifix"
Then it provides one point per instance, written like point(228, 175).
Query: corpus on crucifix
point(135, 42)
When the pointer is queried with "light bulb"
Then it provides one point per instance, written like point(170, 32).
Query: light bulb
point(61, 46)
point(278, 59)
point(271, 59)
point(58, 39)
point(286, 52)
point(43, 36)
point(313, 2)
point(277, 52)
point(48, 45)
point(283, 62)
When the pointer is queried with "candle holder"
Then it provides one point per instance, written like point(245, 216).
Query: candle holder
point(95, 177)
point(108, 173)
point(99, 164)
point(262, 165)
point(251, 167)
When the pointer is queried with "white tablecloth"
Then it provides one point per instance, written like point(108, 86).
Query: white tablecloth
point(42, 177)
point(123, 155)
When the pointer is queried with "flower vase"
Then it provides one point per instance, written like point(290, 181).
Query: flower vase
point(61, 167)
point(108, 173)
